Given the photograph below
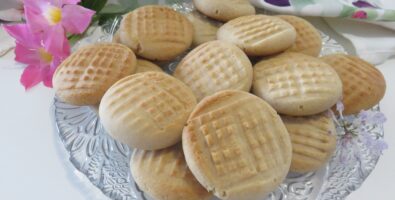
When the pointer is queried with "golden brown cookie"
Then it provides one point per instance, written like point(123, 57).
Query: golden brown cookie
point(258, 35)
point(164, 175)
point(147, 110)
point(116, 38)
point(308, 39)
point(204, 31)
point(237, 146)
point(215, 66)
point(363, 85)
point(147, 66)
point(313, 141)
point(297, 84)
point(156, 32)
point(84, 77)
point(224, 10)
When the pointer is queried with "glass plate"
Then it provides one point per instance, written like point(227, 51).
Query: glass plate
point(105, 162)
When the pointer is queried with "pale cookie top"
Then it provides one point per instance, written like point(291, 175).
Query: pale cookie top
point(156, 32)
point(297, 84)
point(147, 110)
point(258, 35)
point(84, 77)
point(147, 66)
point(224, 10)
point(363, 85)
point(308, 39)
point(237, 146)
point(215, 66)
point(164, 174)
point(204, 31)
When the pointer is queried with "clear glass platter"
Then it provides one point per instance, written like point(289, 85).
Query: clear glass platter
point(105, 162)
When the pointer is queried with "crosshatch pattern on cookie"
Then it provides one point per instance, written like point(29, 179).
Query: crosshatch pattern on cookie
point(217, 65)
point(295, 78)
point(169, 161)
point(310, 137)
point(161, 24)
point(256, 28)
point(94, 66)
point(161, 99)
point(361, 80)
point(308, 39)
point(240, 137)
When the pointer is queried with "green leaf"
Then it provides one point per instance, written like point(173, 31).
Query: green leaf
point(96, 5)
point(113, 8)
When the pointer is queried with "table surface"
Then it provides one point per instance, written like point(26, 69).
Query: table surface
point(34, 164)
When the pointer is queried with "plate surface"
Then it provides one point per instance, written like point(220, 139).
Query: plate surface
point(105, 162)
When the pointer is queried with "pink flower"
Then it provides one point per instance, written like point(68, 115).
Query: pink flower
point(43, 15)
point(42, 55)
point(360, 14)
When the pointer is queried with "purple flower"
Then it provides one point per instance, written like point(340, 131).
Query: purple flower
point(372, 117)
point(281, 3)
point(376, 146)
point(363, 4)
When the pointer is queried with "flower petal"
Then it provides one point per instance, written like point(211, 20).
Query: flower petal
point(76, 18)
point(56, 42)
point(36, 20)
point(26, 55)
point(23, 35)
point(31, 76)
point(363, 4)
point(47, 76)
point(74, 2)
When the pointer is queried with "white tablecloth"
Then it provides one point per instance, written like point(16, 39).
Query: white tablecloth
point(34, 165)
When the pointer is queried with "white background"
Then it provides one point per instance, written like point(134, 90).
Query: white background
point(34, 165)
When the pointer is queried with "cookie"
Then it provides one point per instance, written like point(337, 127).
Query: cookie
point(297, 84)
point(147, 66)
point(156, 32)
point(164, 175)
point(84, 77)
point(313, 141)
point(363, 85)
point(215, 66)
point(308, 39)
point(258, 35)
point(116, 38)
point(147, 110)
point(237, 146)
point(224, 10)
point(204, 31)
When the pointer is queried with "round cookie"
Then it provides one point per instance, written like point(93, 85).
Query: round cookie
point(204, 31)
point(147, 110)
point(215, 66)
point(84, 77)
point(313, 141)
point(297, 84)
point(237, 146)
point(156, 32)
point(147, 66)
point(363, 85)
point(116, 38)
point(308, 39)
point(258, 35)
point(164, 175)
point(224, 10)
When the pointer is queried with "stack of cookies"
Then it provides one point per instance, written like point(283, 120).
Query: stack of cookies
point(219, 125)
